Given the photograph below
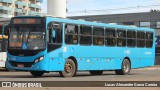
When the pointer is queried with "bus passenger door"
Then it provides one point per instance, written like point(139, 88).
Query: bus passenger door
point(54, 45)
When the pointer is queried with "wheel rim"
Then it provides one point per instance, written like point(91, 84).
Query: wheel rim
point(68, 68)
point(126, 66)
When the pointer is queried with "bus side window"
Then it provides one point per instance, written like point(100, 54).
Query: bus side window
point(85, 35)
point(98, 36)
point(121, 38)
point(140, 39)
point(55, 32)
point(110, 39)
point(131, 38)
point(149, 39)
point(71, 34)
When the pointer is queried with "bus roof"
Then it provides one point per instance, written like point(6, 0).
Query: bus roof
point(82, 22)
point(98, 24)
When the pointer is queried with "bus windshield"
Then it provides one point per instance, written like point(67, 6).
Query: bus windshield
point(27, 37)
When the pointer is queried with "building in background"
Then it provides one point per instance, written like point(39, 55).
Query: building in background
point(146, 19)
point(3, 21)
point(11, 8)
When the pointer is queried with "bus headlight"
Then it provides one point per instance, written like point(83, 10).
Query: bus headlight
point(38, 59)
point(41, 58)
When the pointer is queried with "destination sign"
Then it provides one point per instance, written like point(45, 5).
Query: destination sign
point(27, 21)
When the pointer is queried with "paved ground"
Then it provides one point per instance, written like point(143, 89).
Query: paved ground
point(135, 75)
point(156, 67)
point(145, 74)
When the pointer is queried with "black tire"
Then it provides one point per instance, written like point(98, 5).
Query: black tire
point(37, 73)
point(70, 69)
point(97, 72)
point(126, 67)
point(6, 69)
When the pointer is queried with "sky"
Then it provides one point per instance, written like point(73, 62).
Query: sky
point(97, 7)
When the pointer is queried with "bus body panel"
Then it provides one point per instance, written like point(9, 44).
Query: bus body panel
point(89, 57)
point(13, 61)
point(56, 60)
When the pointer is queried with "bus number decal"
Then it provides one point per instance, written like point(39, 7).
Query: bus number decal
point(127, 52)
point(148, 52)
point(64, 49)
point(71, 50)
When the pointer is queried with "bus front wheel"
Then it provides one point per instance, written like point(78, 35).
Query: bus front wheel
point(126, 67)
point(37, 73)
point(96, 72)
point(69, 69)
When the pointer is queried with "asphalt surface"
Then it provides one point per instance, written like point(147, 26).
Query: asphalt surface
point(135, 75)
point(143, 74)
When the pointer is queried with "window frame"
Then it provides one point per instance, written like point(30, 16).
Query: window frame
point(151, 40)
point(49, 31)
point(73, 35)
point(131, 38)
point(121, 38)
point(99, 37)
point(145, 24)
point(157, 24)
point(89, 36)
point(113, 38)
point(139, 39)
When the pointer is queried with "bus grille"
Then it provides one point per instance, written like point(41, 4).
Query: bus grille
point(26, 64)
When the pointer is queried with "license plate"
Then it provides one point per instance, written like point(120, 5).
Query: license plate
point(20, 65)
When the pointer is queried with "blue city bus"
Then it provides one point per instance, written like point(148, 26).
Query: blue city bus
point(42, 44)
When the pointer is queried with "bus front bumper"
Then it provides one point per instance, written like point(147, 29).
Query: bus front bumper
point(21, 66)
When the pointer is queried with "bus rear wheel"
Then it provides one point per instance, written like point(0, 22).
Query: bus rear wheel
point(126, 67)
point(97, 72)
point(37, 73)
point(69, 69)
